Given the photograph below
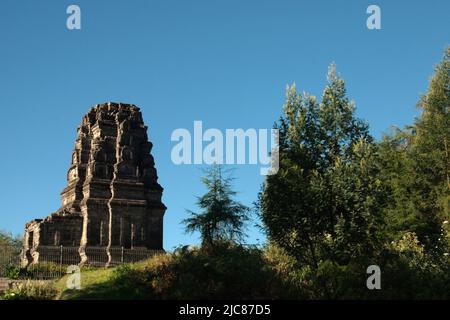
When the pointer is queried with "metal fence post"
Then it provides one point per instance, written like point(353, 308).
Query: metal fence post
point(61, 256)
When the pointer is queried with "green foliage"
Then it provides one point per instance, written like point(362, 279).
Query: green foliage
point(7, 239)
point(361, 195)
point(231, 272)
point(340, 202)
point(416, 166)
point(10, 248)
point(13, 272)
point(44, 270)
point(324, 200)
point(237, 272)
point(30, 290)
point(222, 218)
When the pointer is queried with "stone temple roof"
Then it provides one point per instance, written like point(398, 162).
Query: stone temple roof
point(112, 197)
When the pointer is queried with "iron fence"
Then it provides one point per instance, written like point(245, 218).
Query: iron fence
point(50, 262)
point(9, 258)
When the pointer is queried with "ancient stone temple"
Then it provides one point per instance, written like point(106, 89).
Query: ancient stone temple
point(112, 199)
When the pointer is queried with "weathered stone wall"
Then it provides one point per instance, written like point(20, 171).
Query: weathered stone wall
point(112, 196)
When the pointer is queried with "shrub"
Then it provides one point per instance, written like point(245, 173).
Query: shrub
point(293, 282)
point(230, 272)
point(31, 290)
point(128, 282)
point(45, 270)
point(13, 272)
point(233, 271)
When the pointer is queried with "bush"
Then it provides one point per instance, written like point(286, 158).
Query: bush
point(13, 272)
point(407, 272)
point(230, 272)
point(329, 281)
point(45, 270)
point(236, 272)
point(9, 256)
point(128, 282)
point(31, 290)
point(293, 282)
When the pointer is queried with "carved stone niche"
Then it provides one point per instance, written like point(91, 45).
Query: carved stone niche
point(100, 171)
point(126, 170)
point(124, 126)
point(72, 174)
point(99, 156)
point(127, 154)
point(125, 139)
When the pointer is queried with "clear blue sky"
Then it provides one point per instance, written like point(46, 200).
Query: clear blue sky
point(224, 62)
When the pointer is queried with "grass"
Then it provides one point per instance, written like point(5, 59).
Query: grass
point(109, 283)
point(94, 283)
point(240, 273)
point(231, 271)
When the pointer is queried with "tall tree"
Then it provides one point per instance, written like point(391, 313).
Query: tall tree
point(358, 203)
point(433, 127)
point(318, 193)
point(417, 164)
point(339, 127)
point(431, 151)
point(222, 218)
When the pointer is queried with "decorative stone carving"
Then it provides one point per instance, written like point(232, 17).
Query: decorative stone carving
point(112, 198)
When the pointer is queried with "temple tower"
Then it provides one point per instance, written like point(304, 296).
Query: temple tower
point(112, 198)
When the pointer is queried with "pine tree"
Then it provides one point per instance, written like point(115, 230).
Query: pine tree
point(222, 218)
